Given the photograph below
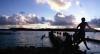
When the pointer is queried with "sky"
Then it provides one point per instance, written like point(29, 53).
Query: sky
point(48, 8)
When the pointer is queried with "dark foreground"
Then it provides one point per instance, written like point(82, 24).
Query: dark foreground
point(39, 50)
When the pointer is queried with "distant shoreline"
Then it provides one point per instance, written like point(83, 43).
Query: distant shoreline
point(46, 29)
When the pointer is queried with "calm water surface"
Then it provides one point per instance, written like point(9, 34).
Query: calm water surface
point(33, 38)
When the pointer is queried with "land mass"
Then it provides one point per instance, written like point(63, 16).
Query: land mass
point(48, 29)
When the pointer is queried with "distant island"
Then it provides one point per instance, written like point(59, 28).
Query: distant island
point(47, 29)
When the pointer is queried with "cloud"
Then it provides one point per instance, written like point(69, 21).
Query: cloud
point(18, 19)
point(22, 19)
point(3, 19)
point(41, 1)
point(32, 18)
point(78, 2)
point(61, 19)
point(58, 5)
point(95, 22)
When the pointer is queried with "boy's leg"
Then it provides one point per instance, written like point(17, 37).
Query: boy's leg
point(86, 44)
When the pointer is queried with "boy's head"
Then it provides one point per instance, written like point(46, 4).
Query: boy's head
point(83, 19)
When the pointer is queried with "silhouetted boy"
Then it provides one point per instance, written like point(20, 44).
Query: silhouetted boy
point(80, 35)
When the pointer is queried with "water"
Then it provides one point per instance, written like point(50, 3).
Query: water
point(21, 38)
point(33, 38)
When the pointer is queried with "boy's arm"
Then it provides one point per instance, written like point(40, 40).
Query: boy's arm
point(90, 28)
point(78, 26)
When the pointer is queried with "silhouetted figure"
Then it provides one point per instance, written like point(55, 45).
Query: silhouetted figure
point(67, 44)
point(56, 41)
point(68, 39)
point(79, 35)
point(63, 46)
point(43, 36)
